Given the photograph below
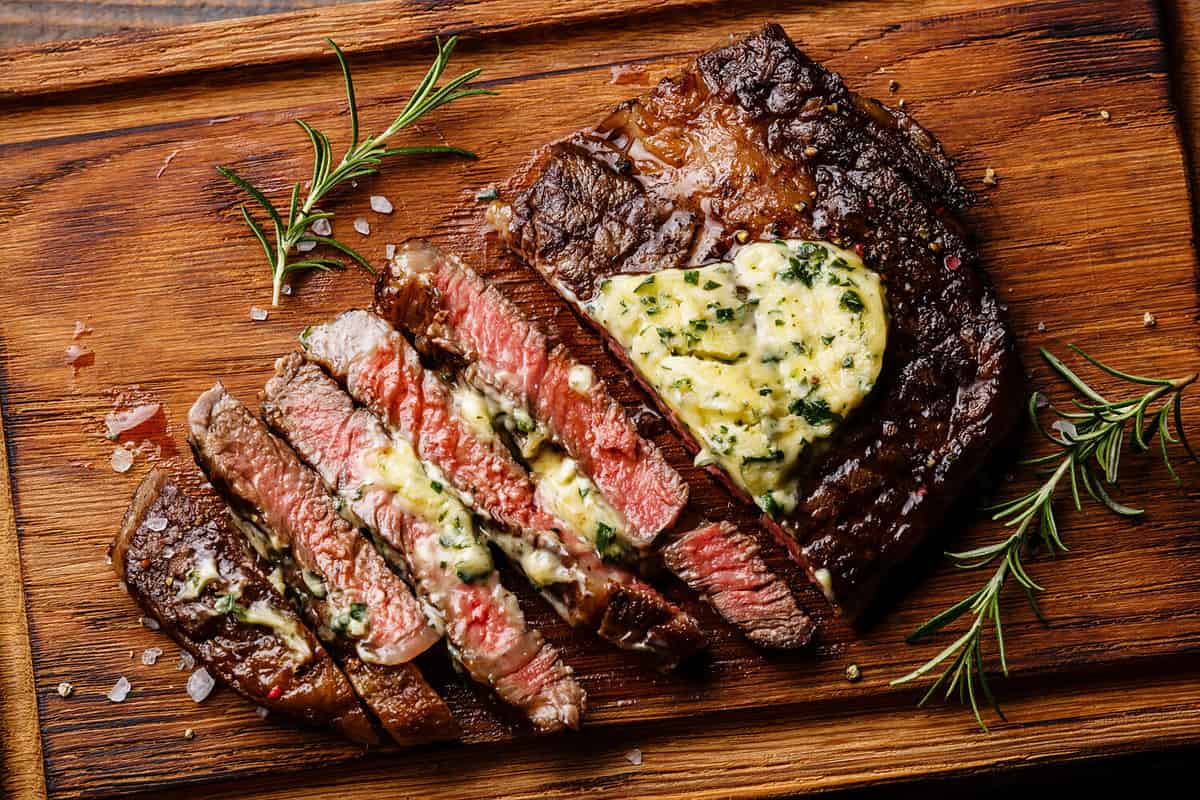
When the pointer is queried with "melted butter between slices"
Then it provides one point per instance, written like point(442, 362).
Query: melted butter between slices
point(564, 489)
point(260, 612)
point(569, 494)
point(423, 493)
point(759, 357)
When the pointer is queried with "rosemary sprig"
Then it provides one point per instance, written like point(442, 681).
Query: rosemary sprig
point(1088, 442)
point(362, 158)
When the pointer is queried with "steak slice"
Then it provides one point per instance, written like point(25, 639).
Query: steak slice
point(365, 614)
point(383, 372)
point(724, 564)
point(447, 306)
point(180, 557)
point(432, 537)
point(756, 141)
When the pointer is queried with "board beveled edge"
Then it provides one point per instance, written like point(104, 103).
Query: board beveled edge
point(367, 27)
point(1162, 702)
point(22, 768)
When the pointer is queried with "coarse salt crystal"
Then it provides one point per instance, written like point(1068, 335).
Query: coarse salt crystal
point(380, 204)
point(117, 422)
point(200, 685)
point(150, 656)
point(389, 251)
point(121, 459)
point(322, 227)
point(1066, 428)
point(80, 329)
point(186, 661)
point(306, 245)
point(166, 163)
point(1042, 401)
point(65, 689)
point(1149, 320)
point(74, 354)
point(158, 525)
point(150, 623)
point(262, 712)
point(287, 289)
point(119, 691)
point(362, 226)
point(634, 757)
point(1041, 327)
point(258, 314)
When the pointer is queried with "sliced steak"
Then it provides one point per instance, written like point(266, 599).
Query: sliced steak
point(724, 564)
point(383, 484)
point(186, 565)
point(363, 611)
point(425, 290)
point(383, 372)
point(446, 305)
point(756, 141)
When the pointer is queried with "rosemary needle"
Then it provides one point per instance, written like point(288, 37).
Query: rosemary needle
point(362, 158)
point(1088, 443)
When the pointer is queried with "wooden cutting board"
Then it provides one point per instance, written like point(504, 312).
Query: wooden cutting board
point(112, 214)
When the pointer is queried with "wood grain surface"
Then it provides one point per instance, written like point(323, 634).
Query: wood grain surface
point(115, 217)
point(29, 21)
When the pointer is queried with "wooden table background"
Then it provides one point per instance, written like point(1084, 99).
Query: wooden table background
point(31, 21)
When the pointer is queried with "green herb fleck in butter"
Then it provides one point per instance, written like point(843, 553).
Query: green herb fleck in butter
point(759, 357)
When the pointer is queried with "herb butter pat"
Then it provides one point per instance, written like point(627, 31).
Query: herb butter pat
point(759, 357)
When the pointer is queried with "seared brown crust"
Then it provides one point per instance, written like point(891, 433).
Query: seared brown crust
point(407, 707)
point(252, 659)
point(755, 137)
point(638, 613)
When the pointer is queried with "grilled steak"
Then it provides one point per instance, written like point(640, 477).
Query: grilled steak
point(187, 567)
point(381, 371)
point(365, 614)
point(447, 306)
point(384, 484)
point(755, 141)
point(724, 564)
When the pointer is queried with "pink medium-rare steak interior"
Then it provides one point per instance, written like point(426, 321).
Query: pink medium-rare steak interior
point(382, 371)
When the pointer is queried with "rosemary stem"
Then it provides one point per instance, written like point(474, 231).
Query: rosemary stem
point(1181, 383)
point(1089, 441)
point(361, 158)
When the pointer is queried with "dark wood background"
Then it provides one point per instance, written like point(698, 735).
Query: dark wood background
point(41, 21)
